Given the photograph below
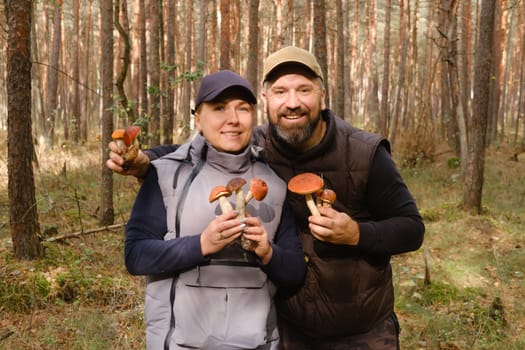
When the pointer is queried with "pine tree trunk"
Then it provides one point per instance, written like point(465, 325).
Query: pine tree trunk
point(23, 215)
point(473, 188)
point(107, 213)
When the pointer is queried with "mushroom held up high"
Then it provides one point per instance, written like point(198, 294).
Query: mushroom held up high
point(221, 193)
point(127, 141)
point(326, 197)
point(235, 187)
point(306, 184)
point(258, 190)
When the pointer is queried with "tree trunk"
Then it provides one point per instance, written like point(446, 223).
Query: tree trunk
point(124, 55)
point(107, 213)
point(402, 61)
point(23, 214)
point(339, 107)
point(153, 29)
point(384, 116)
point(52, 75)
point(371, 65)
point(75, 56)
point(252, 73)
point(320, 50)
point(476, 144)
point(169, 105)
point(225, 46)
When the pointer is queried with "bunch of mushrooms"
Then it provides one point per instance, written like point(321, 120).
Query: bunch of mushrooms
point(308, 184)
point(127, 141)
point(258, 190)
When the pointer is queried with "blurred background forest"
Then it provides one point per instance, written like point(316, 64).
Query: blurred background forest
point(444, 80)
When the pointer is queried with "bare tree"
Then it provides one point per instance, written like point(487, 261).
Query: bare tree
point(23, 215)
point(473, 189)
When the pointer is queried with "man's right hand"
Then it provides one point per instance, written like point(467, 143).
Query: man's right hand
point(138, 167)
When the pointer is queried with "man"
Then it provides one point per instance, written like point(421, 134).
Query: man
point(347, 298)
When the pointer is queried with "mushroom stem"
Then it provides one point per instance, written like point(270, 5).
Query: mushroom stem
point(225, 205)
point(311, 205)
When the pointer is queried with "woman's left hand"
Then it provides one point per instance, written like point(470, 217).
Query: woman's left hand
point(255, 232)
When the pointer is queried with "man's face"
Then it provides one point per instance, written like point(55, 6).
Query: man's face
point(293, 104)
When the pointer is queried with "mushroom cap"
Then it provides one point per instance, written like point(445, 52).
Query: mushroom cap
point(259, 188)
point(327, 195)
point(130, 134)
point(305, 183)
point(117, 134)
point(235, 184)
point(217, 192)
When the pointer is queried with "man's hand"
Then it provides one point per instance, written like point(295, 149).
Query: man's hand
point(137, 167)
point(334, 227)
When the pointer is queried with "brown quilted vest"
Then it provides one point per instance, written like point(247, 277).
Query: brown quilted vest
point(346, 291)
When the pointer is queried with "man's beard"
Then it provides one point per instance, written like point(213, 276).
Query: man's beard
point(296, 136)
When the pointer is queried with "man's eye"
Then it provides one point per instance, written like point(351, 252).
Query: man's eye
point(305, 91)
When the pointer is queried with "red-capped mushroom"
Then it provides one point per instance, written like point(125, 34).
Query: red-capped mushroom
point(127, 141)
point(235, 187)
point(306, 184)
point(327, 197)
point(221, 193)
point(258, 190)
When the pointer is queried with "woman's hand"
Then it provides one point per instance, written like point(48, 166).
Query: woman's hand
point(255, 232)
point(220, 232)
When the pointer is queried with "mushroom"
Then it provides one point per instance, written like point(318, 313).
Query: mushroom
point(258, 190)
point(235, 186)
point(306, 184)
point(327, 197)
point(126, 140)
point(221, 193)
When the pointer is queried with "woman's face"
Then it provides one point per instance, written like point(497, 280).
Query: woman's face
point(226, 124)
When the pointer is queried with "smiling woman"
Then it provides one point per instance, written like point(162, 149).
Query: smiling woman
point(178, 234)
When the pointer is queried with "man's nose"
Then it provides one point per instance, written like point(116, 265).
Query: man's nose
point(292, 100)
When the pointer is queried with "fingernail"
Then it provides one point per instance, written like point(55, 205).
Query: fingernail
point(243, 225)
point(243, 221)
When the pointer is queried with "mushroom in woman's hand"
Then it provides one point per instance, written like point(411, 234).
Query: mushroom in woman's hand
point(127, 141)
point(306, 184)
point(258, 190)
point(221, 193)
point(235, 187)
point(327, 197)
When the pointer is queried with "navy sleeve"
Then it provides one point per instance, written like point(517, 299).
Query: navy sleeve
point(287, 266)
point(146, 252)
point(397, 226)
point(159, 151)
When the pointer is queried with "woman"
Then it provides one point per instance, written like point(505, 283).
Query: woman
point(204, 290)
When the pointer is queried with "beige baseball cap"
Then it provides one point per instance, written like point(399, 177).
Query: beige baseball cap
point(291, 54)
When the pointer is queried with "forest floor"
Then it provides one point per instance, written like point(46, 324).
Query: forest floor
point(79, 296)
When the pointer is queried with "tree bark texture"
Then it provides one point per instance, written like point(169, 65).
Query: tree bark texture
point(107, 212)
point(23, 215)
point(473, 189)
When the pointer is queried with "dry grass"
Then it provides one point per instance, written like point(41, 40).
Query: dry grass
point(81, 297)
